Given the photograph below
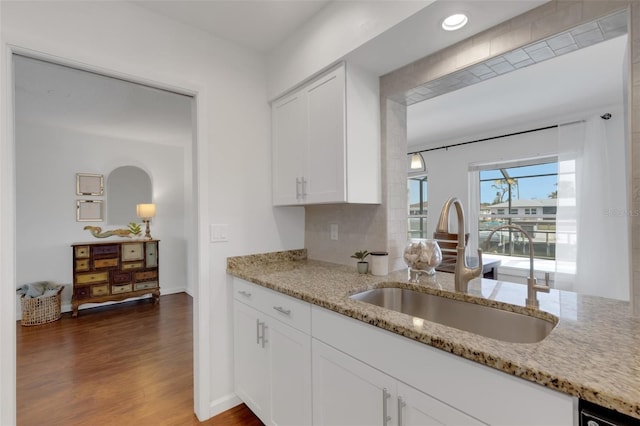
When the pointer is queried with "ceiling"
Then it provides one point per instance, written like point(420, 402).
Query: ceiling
point(537, 95)
point(256, 24)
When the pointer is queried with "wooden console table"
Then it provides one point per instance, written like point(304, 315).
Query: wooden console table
point(114, 270)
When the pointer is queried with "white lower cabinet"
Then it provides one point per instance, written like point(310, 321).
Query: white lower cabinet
point(272, 358)
point(349, 392)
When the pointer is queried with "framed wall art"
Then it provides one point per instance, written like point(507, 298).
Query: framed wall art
point(89, 184)
point(89, 211)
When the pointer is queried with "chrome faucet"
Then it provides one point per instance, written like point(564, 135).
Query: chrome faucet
point(532, 287)
point(463, 273)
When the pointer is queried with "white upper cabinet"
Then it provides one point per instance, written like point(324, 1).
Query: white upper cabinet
point(326, 141)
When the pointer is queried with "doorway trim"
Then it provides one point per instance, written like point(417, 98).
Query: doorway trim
point(197, 243)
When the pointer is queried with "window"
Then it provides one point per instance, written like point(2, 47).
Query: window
point(529, 193)
point(417, 187)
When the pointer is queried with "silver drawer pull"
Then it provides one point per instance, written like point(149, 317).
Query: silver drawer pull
point(282, 310)
point(244, 293)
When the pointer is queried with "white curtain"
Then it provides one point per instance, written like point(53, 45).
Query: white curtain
point(592, 219)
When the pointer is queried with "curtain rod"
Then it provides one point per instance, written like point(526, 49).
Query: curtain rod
point(496, 137)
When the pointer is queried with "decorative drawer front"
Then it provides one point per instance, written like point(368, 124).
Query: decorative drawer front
point(145, 285)
point(81, 292)
point(105, 263)
point(82, 251)
point(132, 265)
point(146, 275)
point(117, 289)
point(82, 265)
point(97, 277)
point(151, 255)
point(109, 249)
point(121, 277)
point(99, 290)
point(132, 251)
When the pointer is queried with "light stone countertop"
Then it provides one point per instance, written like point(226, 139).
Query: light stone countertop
point(593, 353)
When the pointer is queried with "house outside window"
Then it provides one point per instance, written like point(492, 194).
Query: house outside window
point(529, 194)
point(417, 191)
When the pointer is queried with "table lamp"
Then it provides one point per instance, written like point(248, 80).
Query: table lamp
point(146, 212)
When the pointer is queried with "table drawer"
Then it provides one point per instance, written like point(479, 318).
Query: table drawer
point(151, 255)
point(121, 277)
point(108, 249)
point(118, 289)
point(96, 277)
point(132, 265)
point(145, 285)
point(82, 251)
point(99, 290)
point(146, 275)
point(82, 265)
point(132, 251)
point(81, 292)
point(105, 263)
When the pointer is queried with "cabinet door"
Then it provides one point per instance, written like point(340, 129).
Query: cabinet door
point(349, 392)
point(418, 409)
point(289, 139)
point(325, 180)
point(251, 360)
point(290, 372)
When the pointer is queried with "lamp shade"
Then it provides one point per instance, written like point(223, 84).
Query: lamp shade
point(417, 162)
point(146, 211)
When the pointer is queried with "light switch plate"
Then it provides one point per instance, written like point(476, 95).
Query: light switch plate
point(334, 231)
point(219, 233)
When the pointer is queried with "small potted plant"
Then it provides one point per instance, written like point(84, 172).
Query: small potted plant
point(363, 267)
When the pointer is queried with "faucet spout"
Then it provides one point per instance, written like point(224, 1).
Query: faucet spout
point(463, 273)
point(532, 287)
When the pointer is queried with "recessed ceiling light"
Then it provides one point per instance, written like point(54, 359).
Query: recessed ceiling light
point(455, 22)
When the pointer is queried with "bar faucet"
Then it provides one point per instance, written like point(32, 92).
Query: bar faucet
point(532, 287)
point(463, 273)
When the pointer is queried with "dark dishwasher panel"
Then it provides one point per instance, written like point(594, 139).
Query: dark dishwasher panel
point(595, 415)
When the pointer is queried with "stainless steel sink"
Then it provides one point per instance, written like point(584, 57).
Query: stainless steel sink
point(484, 320)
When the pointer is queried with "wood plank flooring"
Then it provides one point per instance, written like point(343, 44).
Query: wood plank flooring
point(126, 364)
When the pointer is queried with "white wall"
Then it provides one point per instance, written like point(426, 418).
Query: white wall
point(338, 29)
point(232, 121)
point(47, 160)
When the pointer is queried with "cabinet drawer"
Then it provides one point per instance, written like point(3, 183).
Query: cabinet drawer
point(132, 251)
point(289, 310)
point(105, 263)
point(145, 285)
point(121, 277)
point(118, 289)
point(81, 292)
point(108, 249)
point(151, 257)
point(82, 251)
point(99, 290)
point(82, 265)
point(132, 265)
point(96, 277)
point(146, 275)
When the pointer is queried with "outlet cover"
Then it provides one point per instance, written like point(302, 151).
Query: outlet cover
point(219, 233)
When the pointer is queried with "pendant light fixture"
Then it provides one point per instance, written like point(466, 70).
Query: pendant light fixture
point(417, 162)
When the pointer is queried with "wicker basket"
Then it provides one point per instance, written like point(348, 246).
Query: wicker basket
point(41, 310)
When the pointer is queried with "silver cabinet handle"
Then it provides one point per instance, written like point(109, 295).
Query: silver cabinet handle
point(282, 310)
point(244, 293)
point(298, 183)
point(401, 405)
point(385, 415)
point(260, 332)
point(304, 188)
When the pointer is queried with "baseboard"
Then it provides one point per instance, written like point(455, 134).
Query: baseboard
point(223, 404)
point(66, 307)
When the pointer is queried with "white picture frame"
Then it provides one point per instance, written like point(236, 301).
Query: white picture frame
point(89, 184)
point(89, 211)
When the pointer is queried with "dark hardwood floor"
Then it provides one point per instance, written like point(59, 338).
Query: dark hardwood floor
point(126, 364)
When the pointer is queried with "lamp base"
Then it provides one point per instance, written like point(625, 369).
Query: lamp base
point(147, 232)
